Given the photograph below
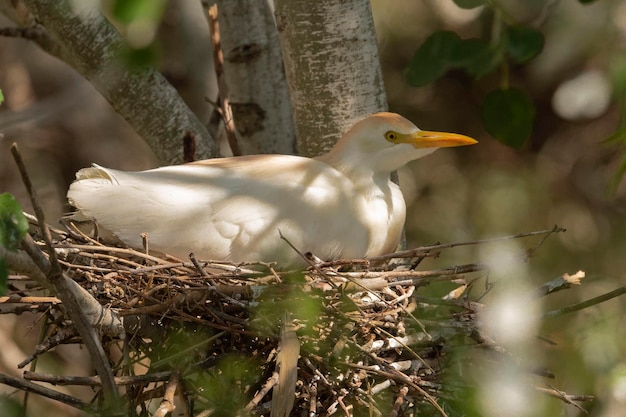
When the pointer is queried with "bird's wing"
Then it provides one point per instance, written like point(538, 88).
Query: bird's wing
point(230, 208)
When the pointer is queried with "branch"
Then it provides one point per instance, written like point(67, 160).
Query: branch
point(565, 397)
point(94, 381)
point(143, 97)
point(563, 282)
point(426, 250)
point(38, 389)
point(106, 320)
point(167, 404)
point(218, 62)
point(52, 270)
point(582, 305)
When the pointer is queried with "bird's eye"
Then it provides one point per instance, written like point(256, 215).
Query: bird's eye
point(391, 136)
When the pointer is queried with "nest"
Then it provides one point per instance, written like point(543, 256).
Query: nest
point(353, 337)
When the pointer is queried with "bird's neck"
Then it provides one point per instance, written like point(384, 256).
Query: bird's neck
point(361, 175)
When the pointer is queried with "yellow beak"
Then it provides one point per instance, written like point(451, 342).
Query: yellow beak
point(426, 139)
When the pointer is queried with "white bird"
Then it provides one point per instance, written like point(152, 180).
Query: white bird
point(339, 205)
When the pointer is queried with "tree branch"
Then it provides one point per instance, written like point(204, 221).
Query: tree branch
point(143, 97)
point(218, 62)
point(56, 278)
point(38, 389)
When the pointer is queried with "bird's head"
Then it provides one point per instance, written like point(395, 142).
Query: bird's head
point(385, 142)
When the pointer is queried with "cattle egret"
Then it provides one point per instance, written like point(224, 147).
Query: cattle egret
point(339, 205)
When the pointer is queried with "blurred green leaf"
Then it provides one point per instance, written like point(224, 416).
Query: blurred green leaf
point(617, 137)
point(1, 96)
point(224, 386)
point(127, 11)
point(432, 58)
point(469, 4)
point(486, 63)
point(11, 407)
point(139, 21)
point(523, 43)
point(465, 51)
point(509, 115)
point(586, 1)
point(477, 57)
point(13, 224)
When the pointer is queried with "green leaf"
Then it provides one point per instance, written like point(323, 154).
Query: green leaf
point(1, 96)
point(469, 4)
point(465, 52)
point(13, 224)
point(432, 58)
point(477, 57)
point(523, 43)
point(485, 63)
point(509, 115)
point(138, 20)
point(127, 11)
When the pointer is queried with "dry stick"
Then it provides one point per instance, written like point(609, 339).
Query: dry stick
point(236, 268)
point(423, 251)
point(19, 308)
point(94, 381)
point(44, 331)
point(269, 384)
point(367, 279)
point(567, 398)
point(400, 398)
point(107, 321)
point(563, 282)
point(52, 269)
point(60, 336)
point(43, 391)
point(397, 376)
point(184, 399)
point(167, 404)
point(400, 377)
point(218, 61)
point(311, 263)
point(313, 398)
point(29, 300)
point(579, 306)
point(380, 329)
point(33, 220)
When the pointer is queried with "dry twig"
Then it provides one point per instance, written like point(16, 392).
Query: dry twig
point(218, 60)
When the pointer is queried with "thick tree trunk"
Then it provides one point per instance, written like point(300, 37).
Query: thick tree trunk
point(253, 67)
point(143, 97)
point(332, 66)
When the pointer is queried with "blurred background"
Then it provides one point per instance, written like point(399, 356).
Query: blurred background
point(566, 174)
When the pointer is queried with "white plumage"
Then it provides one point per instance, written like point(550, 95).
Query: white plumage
point(341, 204)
